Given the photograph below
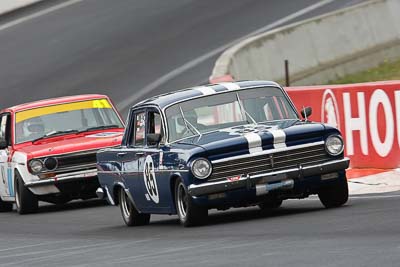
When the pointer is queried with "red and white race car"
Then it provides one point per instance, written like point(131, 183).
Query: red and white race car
point(48, 149)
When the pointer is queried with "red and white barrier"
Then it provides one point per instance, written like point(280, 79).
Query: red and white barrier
point(367, 114)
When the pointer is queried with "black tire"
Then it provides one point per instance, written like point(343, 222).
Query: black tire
point(25, 201)
point(129, 213)
point(270, 205)
point(5, 206)
point(334, 195)
point(189, 213)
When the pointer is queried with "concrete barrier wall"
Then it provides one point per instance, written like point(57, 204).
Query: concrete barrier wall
point(319, 49)
point(7, 6)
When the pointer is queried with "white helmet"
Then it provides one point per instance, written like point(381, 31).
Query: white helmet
point(34, 127)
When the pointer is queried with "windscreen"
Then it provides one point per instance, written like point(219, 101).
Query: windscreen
point(79, 116)
point(214, 112)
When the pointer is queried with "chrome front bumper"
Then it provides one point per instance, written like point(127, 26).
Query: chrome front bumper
point(65, 177)
point(251, 180)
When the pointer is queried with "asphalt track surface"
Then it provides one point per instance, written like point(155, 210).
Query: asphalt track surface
point(119, 48)
point(364, 232)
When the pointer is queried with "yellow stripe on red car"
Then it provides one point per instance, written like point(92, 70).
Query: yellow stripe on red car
point(37, 112)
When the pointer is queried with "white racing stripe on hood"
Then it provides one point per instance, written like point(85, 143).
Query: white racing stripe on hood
point(279, 138)
point(205, 90)
point(230, 86)
point(254, 141)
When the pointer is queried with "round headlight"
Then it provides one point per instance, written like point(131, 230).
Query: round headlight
point(334, 145)
point(36, 165)
point(201, 168)
point(50, 163)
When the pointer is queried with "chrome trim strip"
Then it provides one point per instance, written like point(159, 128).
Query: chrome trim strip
point(123, 172)
point(269, 151)
point(63, 178)
point(70, 168)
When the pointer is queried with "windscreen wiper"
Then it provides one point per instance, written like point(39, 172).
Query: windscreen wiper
point(55, 133)
point(246, 114)
point(187, 124)
point(101, 127)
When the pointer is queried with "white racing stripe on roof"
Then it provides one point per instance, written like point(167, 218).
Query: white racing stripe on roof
point(230, 86)
point(254, 141)
point(279, 138)
point(205, 90)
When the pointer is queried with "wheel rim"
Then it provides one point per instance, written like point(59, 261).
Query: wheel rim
point(182, 201)
point(125, 205)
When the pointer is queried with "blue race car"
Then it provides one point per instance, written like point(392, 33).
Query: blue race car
point(220, 146)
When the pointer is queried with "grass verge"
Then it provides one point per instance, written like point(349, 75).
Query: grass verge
point(386, 71)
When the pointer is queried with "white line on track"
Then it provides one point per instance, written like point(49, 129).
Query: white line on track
point(38, 14)
point(66, 252)
point(366, 196)
point(374, 196)
point(193, 63)
point(34, 245)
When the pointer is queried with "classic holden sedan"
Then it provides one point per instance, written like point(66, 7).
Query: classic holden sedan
point(48, 149)
point(220, 146)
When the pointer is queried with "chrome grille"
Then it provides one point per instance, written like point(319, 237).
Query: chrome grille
point(270, 162)
point(76, 161)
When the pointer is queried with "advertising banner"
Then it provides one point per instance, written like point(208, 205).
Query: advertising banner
point(367, 114)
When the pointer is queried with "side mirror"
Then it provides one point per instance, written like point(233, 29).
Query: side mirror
point(306, 112)
point(154, 139)
point(3, 144)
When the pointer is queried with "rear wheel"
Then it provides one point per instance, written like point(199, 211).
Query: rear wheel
point(334, 195)
point(25, 200)
point(5, 206)
point(129, 213)
point(189, 213)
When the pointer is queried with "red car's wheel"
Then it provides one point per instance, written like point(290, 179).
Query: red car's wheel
point(25, 200)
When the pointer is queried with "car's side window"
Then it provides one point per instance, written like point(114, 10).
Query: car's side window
point(5, 128)
point(139, 127)
point(154, 125)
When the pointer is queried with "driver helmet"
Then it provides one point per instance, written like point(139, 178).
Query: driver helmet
point(34, 127)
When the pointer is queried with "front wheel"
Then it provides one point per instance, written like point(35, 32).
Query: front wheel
point(129, 213)
point(25, 200)
point(334, 195)
point(189, 213)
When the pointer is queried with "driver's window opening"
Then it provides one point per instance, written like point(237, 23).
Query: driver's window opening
point(155, 126)
point(5, 129)
point(139, 127)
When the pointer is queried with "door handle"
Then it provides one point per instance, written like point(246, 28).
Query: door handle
point(139, 154)
point(121, 154)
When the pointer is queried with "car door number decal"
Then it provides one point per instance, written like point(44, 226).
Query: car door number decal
point(150, 180)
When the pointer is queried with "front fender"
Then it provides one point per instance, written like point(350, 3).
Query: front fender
point(20, 165)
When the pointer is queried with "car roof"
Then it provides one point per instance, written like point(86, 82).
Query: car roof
point(168, 99)
point(54, 101)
